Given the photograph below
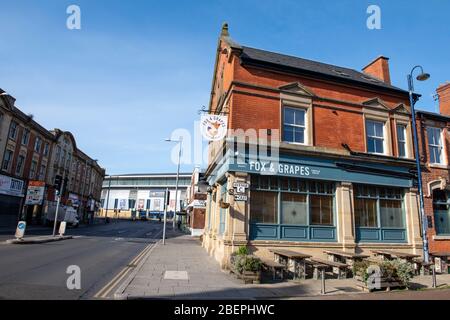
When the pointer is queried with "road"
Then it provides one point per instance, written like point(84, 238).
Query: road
point(38, 271)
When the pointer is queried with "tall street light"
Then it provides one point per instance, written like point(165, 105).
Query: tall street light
point(421, 77)
point(180, 141)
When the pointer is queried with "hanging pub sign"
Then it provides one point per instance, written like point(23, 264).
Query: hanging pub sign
point(213, 127)
point(35, 193)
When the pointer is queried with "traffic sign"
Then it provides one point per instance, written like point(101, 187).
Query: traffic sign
point(20, 231)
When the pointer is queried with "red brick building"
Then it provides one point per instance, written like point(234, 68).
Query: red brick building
point(434, 143)
point(342, 178)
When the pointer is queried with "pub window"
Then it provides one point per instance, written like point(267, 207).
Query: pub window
point(377, 207)
point(263, 206)
point(441, 210)
point(435, 144)
point(401, 140)
point(321, 210)
point(375, 136)
point(301, 202)
point(294, 125)
point(294, 209)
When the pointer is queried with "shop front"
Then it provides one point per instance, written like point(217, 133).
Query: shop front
point(11, 200)
point(313, 203)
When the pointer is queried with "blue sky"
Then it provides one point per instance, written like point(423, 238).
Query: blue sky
point(138, 69)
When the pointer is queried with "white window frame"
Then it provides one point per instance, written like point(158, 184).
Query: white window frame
point(404, 142)
point(440, 146)
point(304, 127)
point(385, 146)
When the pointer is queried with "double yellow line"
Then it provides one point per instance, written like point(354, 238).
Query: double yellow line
point(106, 290)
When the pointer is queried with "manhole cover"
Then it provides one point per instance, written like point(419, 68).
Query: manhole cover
point(176, 275)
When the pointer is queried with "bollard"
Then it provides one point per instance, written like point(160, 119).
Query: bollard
point(322, 275)
point(433, 274)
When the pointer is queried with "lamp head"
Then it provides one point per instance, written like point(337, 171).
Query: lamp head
point(423, 76)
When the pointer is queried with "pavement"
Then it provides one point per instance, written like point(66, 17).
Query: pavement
point(182, 269)
point(40, 271)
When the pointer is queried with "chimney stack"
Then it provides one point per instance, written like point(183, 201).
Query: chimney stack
point(379, 68)
point(443, 92)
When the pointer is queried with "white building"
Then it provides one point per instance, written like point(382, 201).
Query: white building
point(122, 193)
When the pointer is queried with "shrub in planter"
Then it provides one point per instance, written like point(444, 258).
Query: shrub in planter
point(242, 251)
point(393, 270)
point(404, 271)
point(247, 263)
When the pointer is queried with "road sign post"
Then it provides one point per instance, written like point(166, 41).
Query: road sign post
point(62, 228)
point(20, 230)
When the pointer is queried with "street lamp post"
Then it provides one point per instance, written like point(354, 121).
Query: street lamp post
point(180, 141)
point(421, 77)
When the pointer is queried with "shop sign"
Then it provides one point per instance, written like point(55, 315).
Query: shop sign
point(240, 197)
point(11, 186)
point(199, 203)
point(35, 193)
point(282, 168)
point(213, 127)
point(240, 187)
point(74, 199)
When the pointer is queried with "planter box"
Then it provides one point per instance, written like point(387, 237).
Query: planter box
point(248, 277)
point(385, 284)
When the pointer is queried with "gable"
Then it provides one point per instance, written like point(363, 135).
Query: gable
point(297, 88)
point(376, 103)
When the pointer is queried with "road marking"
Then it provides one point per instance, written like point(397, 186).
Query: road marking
point(104, 292)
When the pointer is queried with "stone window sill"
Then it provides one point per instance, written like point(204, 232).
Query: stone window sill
point(447, 237)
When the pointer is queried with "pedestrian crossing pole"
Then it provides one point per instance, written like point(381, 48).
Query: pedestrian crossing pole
point(166, 202)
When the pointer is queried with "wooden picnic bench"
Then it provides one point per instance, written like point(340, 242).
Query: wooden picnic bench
point(317, 268)
point(292, 260)
point(274, 267)
point(389, 255)
point(421, 267)
point(345, 257)
point(338, 268)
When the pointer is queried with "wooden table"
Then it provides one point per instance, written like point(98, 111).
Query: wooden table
point(390, 255)
point(441, 261)
point(294, 261)
point(345, 257)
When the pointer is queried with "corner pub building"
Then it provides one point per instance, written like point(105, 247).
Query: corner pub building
point(344, 177)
